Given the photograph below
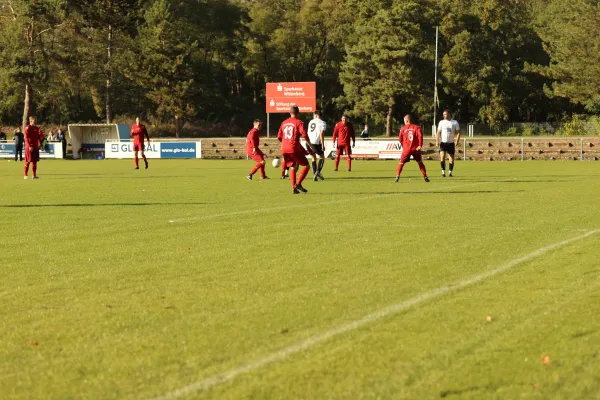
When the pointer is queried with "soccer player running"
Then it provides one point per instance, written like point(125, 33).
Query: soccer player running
point(342, 133)
point(33, 141)
point(411, 139)
point(446, 129)
point(316, 134)
point(292, 151)
point(138, 131)
point(252, 143)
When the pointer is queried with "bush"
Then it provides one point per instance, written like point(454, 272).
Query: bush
point(513, 131)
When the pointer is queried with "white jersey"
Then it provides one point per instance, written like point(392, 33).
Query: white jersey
point(315, 127)
point(448, 129)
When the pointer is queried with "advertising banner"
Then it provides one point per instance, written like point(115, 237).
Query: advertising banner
point(178, 150)
point(390, 150)
point(362, 149)
point(7, 150)
point(154, 150)
point(280, 96)
point(125, 150)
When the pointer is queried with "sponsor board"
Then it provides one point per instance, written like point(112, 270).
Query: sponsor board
point(362, 149)
point(7, 150)
point(281, 96)
point(125, 150)
point(389, 150)
point(178, 150)
point(154, 150)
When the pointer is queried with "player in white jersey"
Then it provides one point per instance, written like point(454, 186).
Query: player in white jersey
point(444, 138)
point(316, 134)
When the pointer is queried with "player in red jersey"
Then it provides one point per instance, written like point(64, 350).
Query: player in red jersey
point(411, 139)
point(138, 131)
point(252, 143)
point(33, 140)
point(342, 133)
point(292, 151)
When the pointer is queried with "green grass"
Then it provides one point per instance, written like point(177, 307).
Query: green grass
point(104, 298)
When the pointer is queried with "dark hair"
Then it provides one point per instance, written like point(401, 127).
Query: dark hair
point(257, 121)
point(317, 112)
point(294, 110)
point(345, 116)
point(448, 111)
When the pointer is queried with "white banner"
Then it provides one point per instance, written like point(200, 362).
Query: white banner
point(125, 150)
point(389, 150)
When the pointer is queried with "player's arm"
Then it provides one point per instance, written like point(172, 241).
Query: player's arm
point(419, 139)
point(437, 136)
point(457, 134)
point(254, 142)
point(146, 134)
point(335, 134)
point(322, 137)
point(304, 135)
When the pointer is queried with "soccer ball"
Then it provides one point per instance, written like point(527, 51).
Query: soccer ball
point(276, 162)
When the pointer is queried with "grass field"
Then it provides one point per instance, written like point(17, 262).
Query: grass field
point(188, 281)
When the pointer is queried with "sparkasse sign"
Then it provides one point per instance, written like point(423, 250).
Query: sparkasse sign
point(282, 95)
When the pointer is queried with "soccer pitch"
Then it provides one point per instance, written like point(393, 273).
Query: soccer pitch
point(187, 281)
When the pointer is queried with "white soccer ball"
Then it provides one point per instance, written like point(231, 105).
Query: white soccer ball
point(276, 162)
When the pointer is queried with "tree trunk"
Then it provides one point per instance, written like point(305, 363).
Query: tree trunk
point(389, 120)
point(27, 106)
point(177, 126)
point(109, 77)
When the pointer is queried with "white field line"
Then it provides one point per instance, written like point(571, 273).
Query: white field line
point(285, 352)
point(346, 200)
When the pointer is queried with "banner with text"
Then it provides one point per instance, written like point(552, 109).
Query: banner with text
point(154, 150)
point(281, 96)
point(7, 150)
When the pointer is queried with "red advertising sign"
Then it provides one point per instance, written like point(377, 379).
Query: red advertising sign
point(280, 96)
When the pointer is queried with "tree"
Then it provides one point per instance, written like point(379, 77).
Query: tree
point(388, 62)
point(29, 41)
point(571, 34)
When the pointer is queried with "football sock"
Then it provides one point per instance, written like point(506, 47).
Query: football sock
point(34, 169)
point(26, 168)
point(293, 177)
point(423, 170)
point(256, 167)
point(349, 164)
point(321, 163)
point(451, 167)
point(443, 164)
point(262, 170)
point(337, 161)
point(135, 158)
point(303, 174)
point(314, 167)
point(399, 169)
point(283, 169)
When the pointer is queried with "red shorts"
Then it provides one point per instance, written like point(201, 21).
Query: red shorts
point(32, 154)
point(291, 159)
point(405, 157)
point(344, 149)
point(258, 156)
point(138, 147)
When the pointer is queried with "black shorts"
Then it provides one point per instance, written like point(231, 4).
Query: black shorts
point(318, 149)
point(448, 148)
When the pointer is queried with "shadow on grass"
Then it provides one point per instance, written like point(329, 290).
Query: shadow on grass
point(418, 192)
point(98, 205)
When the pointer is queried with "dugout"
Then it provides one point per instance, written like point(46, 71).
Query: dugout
point(87, 140)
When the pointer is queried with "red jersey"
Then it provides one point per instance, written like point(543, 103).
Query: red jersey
point(33, 137)
point(137, 133)
point(289, 135)
point(342, 134)
point(252, 141)
point(410, 138)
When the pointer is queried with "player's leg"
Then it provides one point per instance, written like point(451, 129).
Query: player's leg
point(135, 158)
point(144, 157)
point(451, 161)
point(349, 157)
point(443, 160)
point(34, 169)
point(419, 159)
point(338, 154)
point(404, 158)
point(26, 168)
point(293, 170)
point(301, 161)
point(263, 175)
point(284, 168)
